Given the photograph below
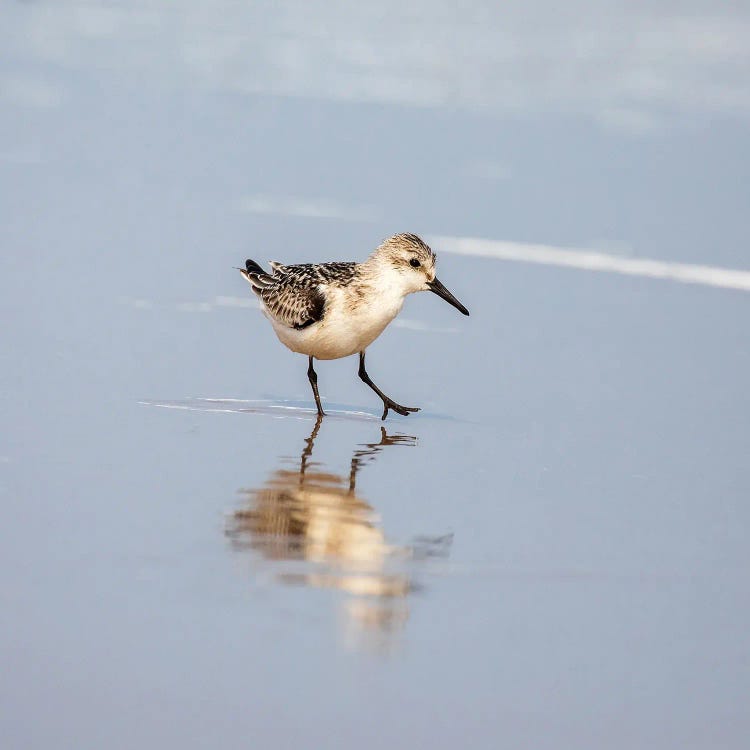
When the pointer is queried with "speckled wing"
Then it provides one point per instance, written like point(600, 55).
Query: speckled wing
point(294, 299)
point(296, 295)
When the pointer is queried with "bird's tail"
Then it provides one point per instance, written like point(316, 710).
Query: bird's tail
point(252, 267)
point(255, 274)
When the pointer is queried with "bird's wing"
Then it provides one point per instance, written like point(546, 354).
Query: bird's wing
point(277, 267)
point(295, 298)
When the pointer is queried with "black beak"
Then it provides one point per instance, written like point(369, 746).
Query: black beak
point(441, 291)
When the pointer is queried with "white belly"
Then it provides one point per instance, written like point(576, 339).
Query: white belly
point(345, 329)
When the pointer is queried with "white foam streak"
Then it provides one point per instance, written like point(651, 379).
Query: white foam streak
point(191, 307)
point(417, 325)
point(548, 255)
point(306, 208)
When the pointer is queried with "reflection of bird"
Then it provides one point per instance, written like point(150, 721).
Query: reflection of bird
point(333, 310)
point(331, 538)
point(318, 517)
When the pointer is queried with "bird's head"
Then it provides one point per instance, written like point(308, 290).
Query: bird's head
point(410, 263)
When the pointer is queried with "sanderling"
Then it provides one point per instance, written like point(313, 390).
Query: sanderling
point(334, 310)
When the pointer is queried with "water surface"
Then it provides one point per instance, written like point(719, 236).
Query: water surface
point(553, 553)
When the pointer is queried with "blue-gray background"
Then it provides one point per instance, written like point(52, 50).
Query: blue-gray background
point(584, 439)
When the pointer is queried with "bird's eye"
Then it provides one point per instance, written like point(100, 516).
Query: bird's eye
point(414, 263)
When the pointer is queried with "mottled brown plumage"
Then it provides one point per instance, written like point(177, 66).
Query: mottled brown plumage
point(292, 294)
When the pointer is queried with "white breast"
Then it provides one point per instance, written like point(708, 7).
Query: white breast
point(350, 325)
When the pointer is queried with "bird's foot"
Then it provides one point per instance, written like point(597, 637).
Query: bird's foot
point(403, 410)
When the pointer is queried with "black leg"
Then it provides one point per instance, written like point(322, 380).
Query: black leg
point(312, 376)
point(388, 403)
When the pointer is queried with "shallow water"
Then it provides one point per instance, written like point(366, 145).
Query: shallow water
point(552, 553)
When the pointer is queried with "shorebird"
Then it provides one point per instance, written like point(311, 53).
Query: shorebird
point(334, 310)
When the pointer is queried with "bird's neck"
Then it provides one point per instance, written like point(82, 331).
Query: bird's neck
point(384, 280)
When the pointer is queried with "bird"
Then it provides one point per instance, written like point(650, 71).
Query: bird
point(333, 310)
